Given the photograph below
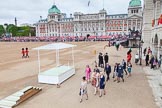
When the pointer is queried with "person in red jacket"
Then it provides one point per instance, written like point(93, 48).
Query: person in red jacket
point(23, 53)
point(129, 56)
point(27, 53)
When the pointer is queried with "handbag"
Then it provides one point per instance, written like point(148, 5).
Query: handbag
point(94, 81)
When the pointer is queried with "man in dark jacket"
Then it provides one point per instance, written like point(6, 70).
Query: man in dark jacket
point(100, 63)
point(147, 59)
point(124, 66)
point(108, 71)
point(106, 58)
point(120, 73)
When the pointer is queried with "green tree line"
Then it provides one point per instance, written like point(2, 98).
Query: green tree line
point(17, 31)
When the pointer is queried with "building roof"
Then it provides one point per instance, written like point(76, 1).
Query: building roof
point(134, 3)
point(117, 15)
point(54, 9)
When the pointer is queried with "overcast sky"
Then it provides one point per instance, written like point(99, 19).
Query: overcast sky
point(29, 11)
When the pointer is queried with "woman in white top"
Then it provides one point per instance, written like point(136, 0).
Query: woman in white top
point(83, 89)
point(95, 81)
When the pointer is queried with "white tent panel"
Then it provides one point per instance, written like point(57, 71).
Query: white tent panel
point(55, 46)
point(54, 75)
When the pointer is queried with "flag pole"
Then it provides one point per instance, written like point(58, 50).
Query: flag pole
point(89, 5)
point(103, 4)
point(54, 2)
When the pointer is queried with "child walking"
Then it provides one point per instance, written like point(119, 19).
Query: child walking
point(129, 69)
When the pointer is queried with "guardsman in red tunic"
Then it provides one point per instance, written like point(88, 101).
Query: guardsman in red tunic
point(23, 53)
point(27, 52)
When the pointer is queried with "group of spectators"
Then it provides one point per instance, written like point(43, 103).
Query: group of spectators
point(101, 74)
point(151, 59)
point(61, 38)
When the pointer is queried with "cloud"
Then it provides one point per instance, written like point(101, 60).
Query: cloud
point(29, 11)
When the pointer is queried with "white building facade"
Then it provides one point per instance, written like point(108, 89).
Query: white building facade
point(95, 24)
point(152, 31)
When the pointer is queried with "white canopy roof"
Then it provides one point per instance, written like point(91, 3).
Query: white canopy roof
point(54, 46)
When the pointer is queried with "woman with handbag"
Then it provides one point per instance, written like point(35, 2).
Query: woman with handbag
point(95, 81)
point(83, 89)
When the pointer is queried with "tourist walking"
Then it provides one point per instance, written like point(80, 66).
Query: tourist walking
point(88, 73)
point(108, 71)
point(106, 58)
point(120, 73)
point(155, 62)
point(101, 63)
point(96, 69)
point(149, 50)
point(124, 66)
point(102, 84)
point(83, 89)
point(147, 59)
point(95, 81)
point(115, 73)
point(144, 51)
point(136, 58)
point(151, 62)
point(129, 69)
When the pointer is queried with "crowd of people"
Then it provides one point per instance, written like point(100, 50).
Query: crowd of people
point(101, 74)
point(62, 38)
point(150, 59)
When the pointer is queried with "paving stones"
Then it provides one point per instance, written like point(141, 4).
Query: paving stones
point(155, 82)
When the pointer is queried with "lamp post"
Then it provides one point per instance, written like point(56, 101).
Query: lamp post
point(140, 51)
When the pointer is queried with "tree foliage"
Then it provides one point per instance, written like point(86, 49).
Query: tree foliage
point(2, 30)
point(20, 31)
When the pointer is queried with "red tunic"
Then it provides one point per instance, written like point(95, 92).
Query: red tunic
point(26, 51)
point(129, 56)
point(23, 52)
